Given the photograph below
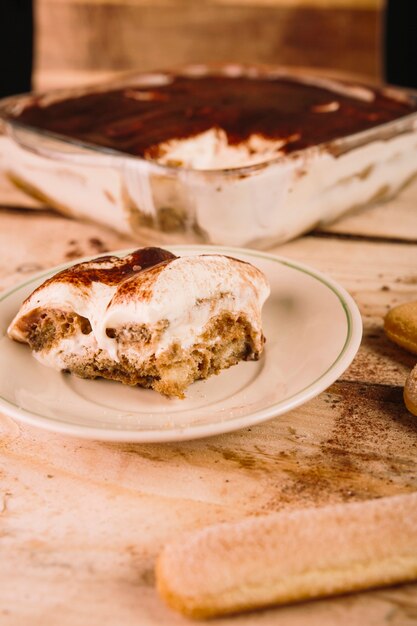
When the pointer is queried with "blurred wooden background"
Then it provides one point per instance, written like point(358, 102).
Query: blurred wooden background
point(83, 40)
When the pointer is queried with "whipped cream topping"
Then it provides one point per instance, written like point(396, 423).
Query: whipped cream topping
point(211, 150)
point(187, 294)
point(143, 114)
point(183, 294)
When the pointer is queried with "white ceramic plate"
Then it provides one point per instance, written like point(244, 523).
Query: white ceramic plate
point(313, 330)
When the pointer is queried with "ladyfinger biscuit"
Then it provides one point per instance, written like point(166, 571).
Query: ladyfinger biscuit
point(400, 325)
point(410, 391)
point(290, 556)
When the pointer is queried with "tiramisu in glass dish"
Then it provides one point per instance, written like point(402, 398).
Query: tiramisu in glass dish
point(232, 155)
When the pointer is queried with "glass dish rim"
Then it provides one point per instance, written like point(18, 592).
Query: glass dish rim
point(94, 155)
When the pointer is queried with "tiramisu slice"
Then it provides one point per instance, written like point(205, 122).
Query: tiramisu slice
point(150, 319)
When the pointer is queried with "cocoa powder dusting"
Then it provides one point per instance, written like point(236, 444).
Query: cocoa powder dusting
point(368, 452)
point(136, 119)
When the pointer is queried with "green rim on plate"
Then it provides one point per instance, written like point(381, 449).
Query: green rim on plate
point(351, 344)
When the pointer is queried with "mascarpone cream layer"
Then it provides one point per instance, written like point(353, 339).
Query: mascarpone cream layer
point(212, 151)
point(185, 295)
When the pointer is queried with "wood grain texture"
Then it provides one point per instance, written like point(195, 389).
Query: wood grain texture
point(357, 4)
point(82, 522)
point(86, 36)
point(323, 4)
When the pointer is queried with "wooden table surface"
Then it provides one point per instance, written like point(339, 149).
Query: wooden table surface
point(81, 522)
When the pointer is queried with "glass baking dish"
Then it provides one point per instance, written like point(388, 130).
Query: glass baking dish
point(257, 205)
